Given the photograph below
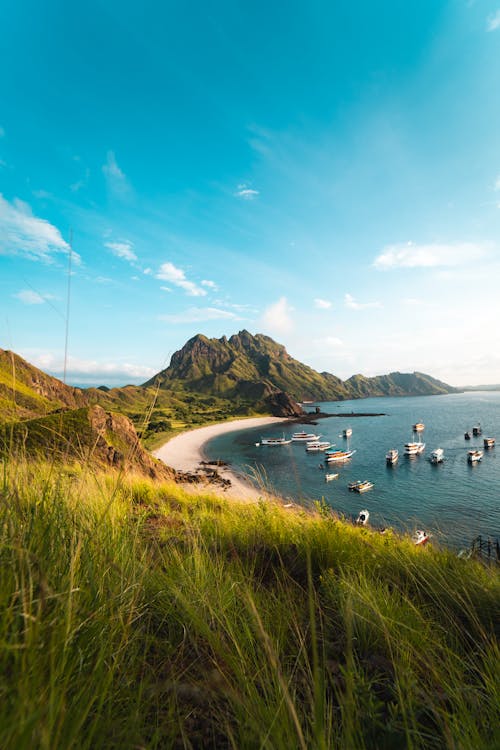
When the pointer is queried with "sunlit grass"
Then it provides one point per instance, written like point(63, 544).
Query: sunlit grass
point(133, 614)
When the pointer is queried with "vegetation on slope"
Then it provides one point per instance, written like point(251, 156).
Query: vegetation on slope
point(133, 615)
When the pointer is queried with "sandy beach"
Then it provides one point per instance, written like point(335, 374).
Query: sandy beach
point(185, 452)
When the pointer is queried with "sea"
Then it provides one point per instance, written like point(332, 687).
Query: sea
point(454, 501)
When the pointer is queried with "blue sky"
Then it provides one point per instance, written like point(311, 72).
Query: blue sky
point(326, 173)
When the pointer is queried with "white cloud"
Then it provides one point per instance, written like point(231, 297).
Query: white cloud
point(30, 297)
point(330, 342)
point(497, 183)
point(199, 315)
point(210, 285)
point(148, 271)
point(353, 304)
point(322, 304)
point(122, 250)
point(116, 180)
point(430, 255)
point(177, 277)
point(23, 234)
point(246, 193)
point(493, 22)
point(90, 370)
point(277, 316)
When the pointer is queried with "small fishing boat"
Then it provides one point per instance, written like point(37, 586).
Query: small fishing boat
point(360, 486)
point(467, 435)
point(477, 430)
point(437, 456)
point(347, 432)
point(304, 437)
point(275, 441)
point(330, 477)
point(418, 427)
point(362, 518)
point(420, 537)
point(474, 457)
point(392, 456)
point(334, 456)
point(489, 443)
point(414, 449)
point(317, 445)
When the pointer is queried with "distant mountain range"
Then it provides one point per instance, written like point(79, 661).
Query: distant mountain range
point(207, 380)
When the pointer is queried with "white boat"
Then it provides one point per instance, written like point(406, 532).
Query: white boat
point(317, 445)
point(418, 427)
point(329, 477)
point(474, 456)
point(360, 486)
point(362, 518)
point(347, 432)
point(489, 443)
point(304, 437)
point(392, 456)
point(477, 430)
point(437, 456)
point(333, 456)
point(420, 537)
point(414, 449)
point(275, 441)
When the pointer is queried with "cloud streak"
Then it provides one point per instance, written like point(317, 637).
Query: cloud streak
point(30, 297)
point(122, 250)
point(493, 21)
point(199, 315)
point(277, 316)
point(353, 304)
point(177, 277)
point(246, 193)
point(430, 255)
point(116, 180)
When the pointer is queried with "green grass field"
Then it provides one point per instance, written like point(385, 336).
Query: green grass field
point(134, 615)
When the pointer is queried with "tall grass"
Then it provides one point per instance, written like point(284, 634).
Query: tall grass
point(133, 615)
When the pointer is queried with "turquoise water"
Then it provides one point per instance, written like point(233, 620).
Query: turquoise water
point(453, 500)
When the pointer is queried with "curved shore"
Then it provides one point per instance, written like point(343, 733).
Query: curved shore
point(185, 452)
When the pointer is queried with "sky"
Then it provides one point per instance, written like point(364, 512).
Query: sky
point(325, 173)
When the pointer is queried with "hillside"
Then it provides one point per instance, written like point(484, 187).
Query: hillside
point(257, 368)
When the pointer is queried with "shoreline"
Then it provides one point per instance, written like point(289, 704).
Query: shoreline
point(185, 453)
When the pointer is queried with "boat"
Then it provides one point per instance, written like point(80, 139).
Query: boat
point(392, 456)
point(304, 437)
point(317, 445)
point(333, 456)
point(418, 427)
point(360, 486)
point(362, 518)
point(467, 435)
point(489, 443)
point(477, 430)
point(474, 456)
point(275, 441)
point(414, 449)
point(420, 537)
point(347, 432)
point(437, 456)
point(329, 477)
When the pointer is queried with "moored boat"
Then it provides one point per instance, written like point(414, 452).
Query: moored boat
point(418, 427)
point(437, 456)
point(360, 486)
point(317, 445)
point(333, 456)
point(477, 430)
point(414, 449)
point(275, 441)
point(489, 443)
point(467, 435)
point(329, 477)
point(392, 456)
point(301, 437)
point(474, 456)
point(347, 432)
point(362, 518)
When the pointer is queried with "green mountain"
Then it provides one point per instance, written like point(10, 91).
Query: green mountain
point(256, 368)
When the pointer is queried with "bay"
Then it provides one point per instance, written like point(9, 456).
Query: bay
point(454, 500)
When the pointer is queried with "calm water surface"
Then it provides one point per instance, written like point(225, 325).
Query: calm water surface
point(454, 500)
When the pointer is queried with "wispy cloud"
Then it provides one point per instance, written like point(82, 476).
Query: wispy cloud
point(246, 193)
point(322, 304)
point(116, 180)
point(2, 132)
point(90, 370)
point(493, 21)
point(210, 285)
point(330, 342)
point(277, 317)
point(177, 277)
point(30, 297)
point(436, 255)
point(199, 315)
point(497, 183)
point(26, 235)
point(81, 183)
point(353, 304)
point(122, 250)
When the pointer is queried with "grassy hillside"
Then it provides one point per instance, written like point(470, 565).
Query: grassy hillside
point(135, 616)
